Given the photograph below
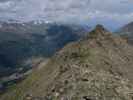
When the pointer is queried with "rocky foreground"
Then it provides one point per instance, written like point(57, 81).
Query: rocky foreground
point(98, 67)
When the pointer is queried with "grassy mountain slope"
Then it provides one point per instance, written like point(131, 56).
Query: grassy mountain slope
point(99, 67)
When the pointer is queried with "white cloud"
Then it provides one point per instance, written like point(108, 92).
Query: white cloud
point(6, 5)
point(67, 10)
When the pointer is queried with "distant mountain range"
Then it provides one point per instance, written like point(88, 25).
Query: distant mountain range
point(20, 43)
point(127, 28)
point(127, 32)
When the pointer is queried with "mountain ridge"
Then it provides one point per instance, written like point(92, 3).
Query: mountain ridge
point(94, 68)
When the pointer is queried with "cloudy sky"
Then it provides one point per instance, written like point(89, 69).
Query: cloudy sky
point(108, 12)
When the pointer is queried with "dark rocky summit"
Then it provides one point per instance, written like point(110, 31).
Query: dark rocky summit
point(98, 67)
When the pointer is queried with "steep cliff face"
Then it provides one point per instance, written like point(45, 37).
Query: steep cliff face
point(98, 67)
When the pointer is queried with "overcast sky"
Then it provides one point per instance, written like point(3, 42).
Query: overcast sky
point(107, 12)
